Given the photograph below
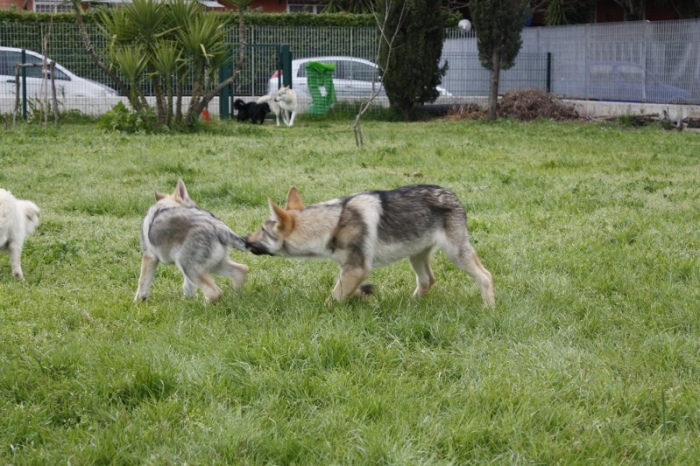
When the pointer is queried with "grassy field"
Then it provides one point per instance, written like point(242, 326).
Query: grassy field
point(590, 356)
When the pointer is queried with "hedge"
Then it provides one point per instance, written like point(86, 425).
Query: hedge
point(252, 19)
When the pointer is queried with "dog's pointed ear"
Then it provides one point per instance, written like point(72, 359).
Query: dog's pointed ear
point(285, 222)
point(181, 191)
point(294, 201)
point(159, 195)
point(274, 209)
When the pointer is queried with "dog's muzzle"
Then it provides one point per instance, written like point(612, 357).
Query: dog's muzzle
point(256, 248)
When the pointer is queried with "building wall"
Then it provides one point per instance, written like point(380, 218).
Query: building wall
point(18, 4)
point(607, 11)
point(660, 13)
point(269, 6)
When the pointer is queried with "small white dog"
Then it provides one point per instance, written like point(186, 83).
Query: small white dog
point(282, 102)
point(18, 219)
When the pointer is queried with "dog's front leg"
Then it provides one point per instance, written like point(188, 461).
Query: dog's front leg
point(15, 252)
point(350, 279)
point(148, 271)
point(189, 288)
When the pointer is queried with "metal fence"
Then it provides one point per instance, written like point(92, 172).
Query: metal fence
point(636, 61)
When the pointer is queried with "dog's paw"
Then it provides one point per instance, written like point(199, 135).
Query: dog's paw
point(213, 298)
point(17, 273)
point(365, 290)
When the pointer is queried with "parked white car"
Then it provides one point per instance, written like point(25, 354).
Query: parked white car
point(353, 77)
point(67, 83)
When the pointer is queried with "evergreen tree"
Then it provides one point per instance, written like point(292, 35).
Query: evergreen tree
point(411, 63)
point(498, 25)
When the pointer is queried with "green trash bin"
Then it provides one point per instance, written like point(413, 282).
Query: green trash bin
point(320, 82)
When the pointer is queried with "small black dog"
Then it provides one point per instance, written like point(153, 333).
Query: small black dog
point(251, 111)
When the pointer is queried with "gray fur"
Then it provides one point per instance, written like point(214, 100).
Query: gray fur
point(175, 230)
point(373, 229)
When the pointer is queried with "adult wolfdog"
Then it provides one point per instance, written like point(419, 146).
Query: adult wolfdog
point(282, 102)
point(176, 230)
point(373, 229)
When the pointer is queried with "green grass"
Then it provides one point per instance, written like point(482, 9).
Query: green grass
point(590, 356)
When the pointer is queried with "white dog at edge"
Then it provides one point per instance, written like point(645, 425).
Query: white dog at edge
point(283, 101)
point(18, 219)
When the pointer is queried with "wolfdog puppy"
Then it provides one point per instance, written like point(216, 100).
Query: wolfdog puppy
point(176, 230)
point(252, 111)
point(373, 229)
point(18, 219)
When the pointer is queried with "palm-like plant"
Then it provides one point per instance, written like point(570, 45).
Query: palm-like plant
point(167, 42)
point(135, 32)
point(167, 61)
point(131, 62)
point(202, 40)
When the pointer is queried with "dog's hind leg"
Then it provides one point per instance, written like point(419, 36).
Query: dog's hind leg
point(15, 252)
point(285, 117)
point(148, 271)
point(464, 257)
point(204, 281)
point(235, 271)
point(211, 291)
point(291, 120)
point(420, 263)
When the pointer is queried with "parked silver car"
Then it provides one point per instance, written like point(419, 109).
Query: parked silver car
point(67, 83)
point(629, 82)
point(353, 77)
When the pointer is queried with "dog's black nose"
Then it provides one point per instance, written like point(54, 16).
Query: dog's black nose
point(255, 248)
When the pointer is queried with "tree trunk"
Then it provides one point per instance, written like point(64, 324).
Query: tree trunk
point(196, 105)
point(493, 86)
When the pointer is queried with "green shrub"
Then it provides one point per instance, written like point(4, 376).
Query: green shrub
point(122, 119)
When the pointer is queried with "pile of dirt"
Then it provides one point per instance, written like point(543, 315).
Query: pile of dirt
point(520, 105)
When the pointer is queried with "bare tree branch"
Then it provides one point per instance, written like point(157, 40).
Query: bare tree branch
point(364, 107)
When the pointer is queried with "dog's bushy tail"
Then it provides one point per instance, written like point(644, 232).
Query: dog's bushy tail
point(230, 238)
